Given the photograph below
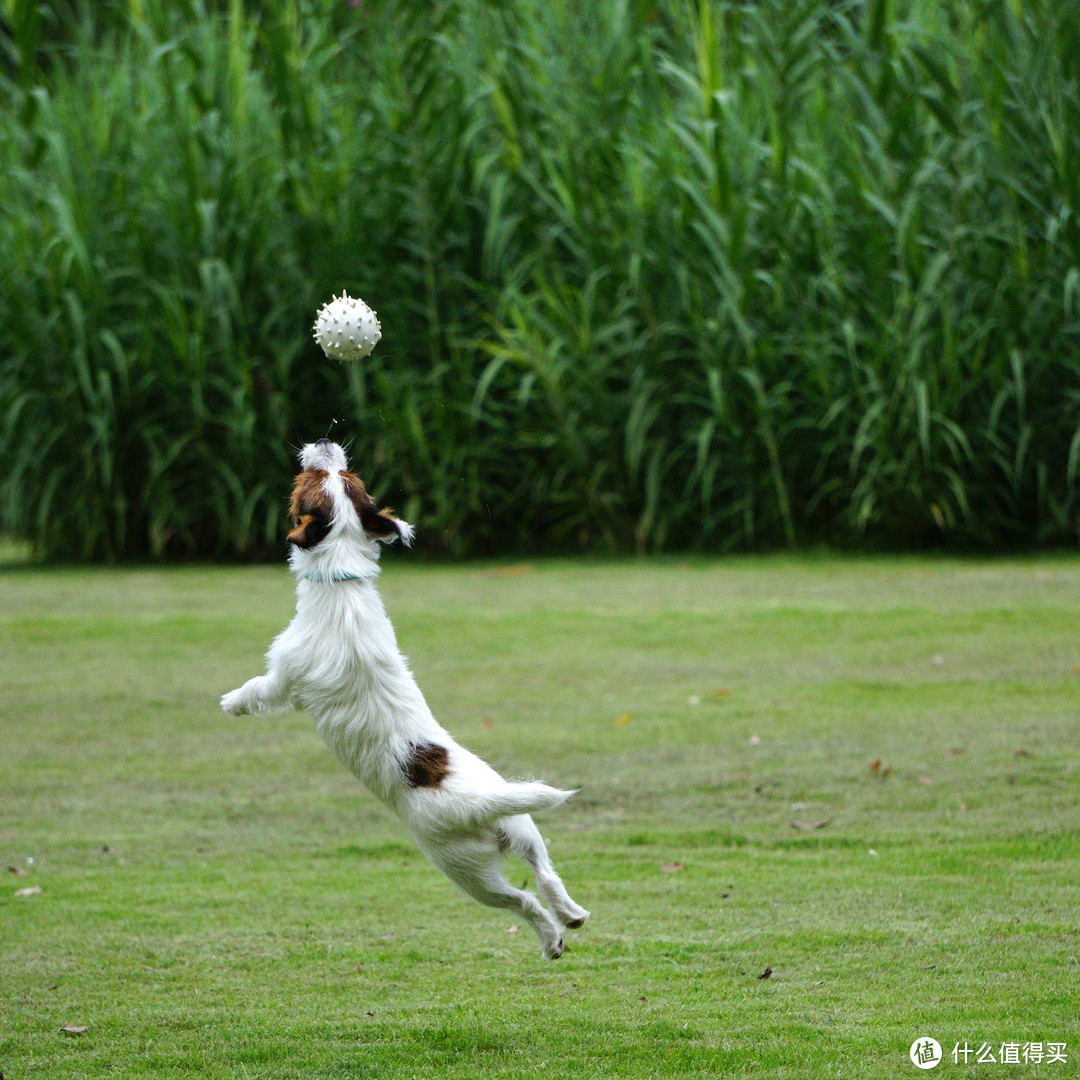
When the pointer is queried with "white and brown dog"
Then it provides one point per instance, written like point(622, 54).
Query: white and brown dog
point(339, 659)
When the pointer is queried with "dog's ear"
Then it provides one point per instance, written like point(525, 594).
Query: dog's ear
point(309, 530)
point(382, 524)
point(310, 509)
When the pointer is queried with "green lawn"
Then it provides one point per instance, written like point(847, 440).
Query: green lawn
point(220, 899)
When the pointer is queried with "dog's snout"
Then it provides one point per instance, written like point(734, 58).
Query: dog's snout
point(323, 454)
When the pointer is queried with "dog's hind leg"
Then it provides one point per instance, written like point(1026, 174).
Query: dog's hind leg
point(474, 867)
point(526, 842)
point(494, 890)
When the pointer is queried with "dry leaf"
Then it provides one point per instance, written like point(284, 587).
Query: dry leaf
point(513, 571)
point(808, 825)
point(18, 870)
point(672, 867)
point(73, 1029)
point(31, 890)
point(487, 722)
point(755, 740)
point(766, 973)
point(623, 720)
point(512, 929)
point(875, 764)
point(721, 693)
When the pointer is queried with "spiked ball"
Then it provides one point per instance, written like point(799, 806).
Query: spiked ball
point(346, 328)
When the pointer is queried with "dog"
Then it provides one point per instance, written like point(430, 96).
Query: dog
point(339, 660)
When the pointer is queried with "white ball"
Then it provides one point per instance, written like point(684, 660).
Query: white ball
point(346, 328)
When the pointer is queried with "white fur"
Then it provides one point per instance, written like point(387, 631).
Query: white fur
point(339, 660)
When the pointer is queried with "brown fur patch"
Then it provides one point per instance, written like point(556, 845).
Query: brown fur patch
point(357, 492)
point(427, 765)
point(376, 522)
point(310, 509)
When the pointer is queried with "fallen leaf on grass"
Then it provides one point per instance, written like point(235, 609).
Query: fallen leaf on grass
point(18, 870)
point(32, 890)
point(513, 571)
point(755, 740)
point(766, 973)
point(512, 929)
point(808, 825)
point(73, 1029)
point(721, 693)
point(623, 720)
point(672, 867)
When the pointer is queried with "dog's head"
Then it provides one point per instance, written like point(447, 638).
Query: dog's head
point(336, 526)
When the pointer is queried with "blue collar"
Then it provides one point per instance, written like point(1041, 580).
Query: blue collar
point(327, 579)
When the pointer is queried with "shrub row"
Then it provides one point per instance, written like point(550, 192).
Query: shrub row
point(652, 275)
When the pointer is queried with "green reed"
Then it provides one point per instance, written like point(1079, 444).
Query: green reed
point(652, 275)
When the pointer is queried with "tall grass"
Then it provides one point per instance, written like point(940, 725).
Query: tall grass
point(652, 275)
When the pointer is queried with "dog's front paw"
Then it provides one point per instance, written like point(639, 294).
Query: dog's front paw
point(233, 703)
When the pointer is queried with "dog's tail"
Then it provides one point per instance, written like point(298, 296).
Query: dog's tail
point(526, 797)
